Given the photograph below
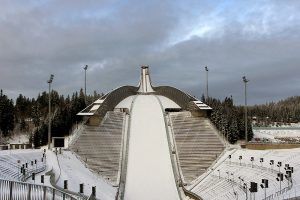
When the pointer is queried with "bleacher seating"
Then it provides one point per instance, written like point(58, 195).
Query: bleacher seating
point(214, 187)
point(100, 146)
point(197, 144)
point(11, 163)
point(234, 172)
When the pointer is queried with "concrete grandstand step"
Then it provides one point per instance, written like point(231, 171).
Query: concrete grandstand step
point(100, 146)
point(197, 144)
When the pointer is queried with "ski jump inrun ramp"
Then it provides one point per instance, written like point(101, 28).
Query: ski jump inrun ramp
point(149, 171)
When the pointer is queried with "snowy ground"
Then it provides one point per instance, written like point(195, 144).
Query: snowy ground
point(126, 103)
point(76, 173)
point(19, 138)
point(277, 135)
point(167, 103)
point(249, 171)
point(149, 173)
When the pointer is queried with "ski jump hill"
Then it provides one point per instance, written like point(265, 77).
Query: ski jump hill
point(149, 142)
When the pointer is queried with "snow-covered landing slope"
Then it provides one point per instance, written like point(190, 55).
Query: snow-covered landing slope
point(167, 103)
point(126, 103)
point(149, 172)
point(73, 170)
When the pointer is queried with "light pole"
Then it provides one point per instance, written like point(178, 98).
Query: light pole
point(49, 114)
point(246, 131)
point(206, 69)
point(85, 68)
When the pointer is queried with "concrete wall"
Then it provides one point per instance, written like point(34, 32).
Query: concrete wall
point(179, 97)
point(199, 113)
point(94, 120)
point(113, 98)
point(263, 146)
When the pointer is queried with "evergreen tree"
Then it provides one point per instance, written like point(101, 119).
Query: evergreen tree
point(228, 119)
point(233, 132)
point(36, 115)
point(6, 114)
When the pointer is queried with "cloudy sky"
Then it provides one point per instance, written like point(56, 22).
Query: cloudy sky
point(259, 39)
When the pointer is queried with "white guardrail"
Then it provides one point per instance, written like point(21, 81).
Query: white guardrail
point(14, 190)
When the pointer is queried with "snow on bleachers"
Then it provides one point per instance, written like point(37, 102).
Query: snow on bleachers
point(100, 146)
point(214, 187)
point(239, 171)
point(197, 144)
point(11, 162)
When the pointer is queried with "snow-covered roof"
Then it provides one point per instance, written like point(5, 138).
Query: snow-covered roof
point(99, 101)
point(92, 108)
point(201, 105)
point(95, 107)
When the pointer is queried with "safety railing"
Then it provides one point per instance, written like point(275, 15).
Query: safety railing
point(277, 194)
point(125, 150)
point(13, 190)
point(23, 173)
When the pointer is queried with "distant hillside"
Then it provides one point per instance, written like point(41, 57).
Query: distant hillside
point(285, 111)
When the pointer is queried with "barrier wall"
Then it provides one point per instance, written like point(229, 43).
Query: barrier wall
point(12, 190)
point(179, 97)
point(263, 146)
point(110, 101)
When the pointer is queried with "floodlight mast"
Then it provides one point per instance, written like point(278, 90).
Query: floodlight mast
point(206, 69)
point(245, 80)
point(85, 68)
point(49, 112)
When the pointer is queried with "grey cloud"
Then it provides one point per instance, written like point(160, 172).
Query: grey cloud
point(115, 37)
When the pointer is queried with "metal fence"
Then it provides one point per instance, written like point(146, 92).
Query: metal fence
point(12, 190)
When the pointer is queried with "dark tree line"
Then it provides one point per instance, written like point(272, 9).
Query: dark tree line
point(6, 115)
point(35, 111)
point(63, 115)
point(228, 119)
point(284, 111)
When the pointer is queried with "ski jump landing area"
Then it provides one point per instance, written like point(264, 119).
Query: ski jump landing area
point(149, 172)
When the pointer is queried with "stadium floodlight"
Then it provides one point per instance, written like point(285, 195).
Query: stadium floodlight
point(49, 112)
point(261, 160)
point(232, 174)
point(85, 68)
point(286, 166)
point(252, 160)
point(288, 176)
point(240, 179)
point(279, 164)
point(240, 158)
point(94, 191)
point(280, 179)
point(265, 185)
point(245, 80)
point(228, 175)
point(272, 164)
point(206, 69)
